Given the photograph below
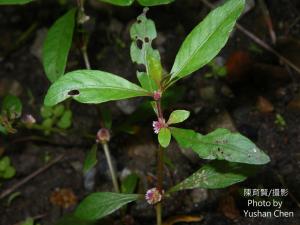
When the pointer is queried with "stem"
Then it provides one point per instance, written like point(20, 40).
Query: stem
point(158, 214)
point(85, 56)
point(111, 168)
point(160, 169)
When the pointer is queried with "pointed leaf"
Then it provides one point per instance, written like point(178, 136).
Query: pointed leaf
point(12, 2)
point(119, 2)
point(101, 204)
point(217, 174)
point(57, 45)
point(146, 82)
point(178, 116)
point(221, 144)
point(92, 86)
point(154, 2)
point(206, 39)
point(91, 159)
point(164, 137)
point(66, 120)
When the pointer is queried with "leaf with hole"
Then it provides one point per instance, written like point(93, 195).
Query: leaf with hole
point(206, 39)
point(164, 137)
point(57, 45)
point(217, 174)
point(101, 204)
point(178, 116)
point(91, 159)
point(221, 144)
point(92, 86)
point(142, 33)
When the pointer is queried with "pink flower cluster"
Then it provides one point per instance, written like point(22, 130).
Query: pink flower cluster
point(157, 125)
point(153, 196)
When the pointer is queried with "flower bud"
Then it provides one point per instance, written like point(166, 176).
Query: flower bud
point(28, 120)
point(156, 95)
point(103, 135)
point(153, 196)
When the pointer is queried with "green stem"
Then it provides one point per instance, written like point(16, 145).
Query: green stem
point(160, 169)
point(111, 167)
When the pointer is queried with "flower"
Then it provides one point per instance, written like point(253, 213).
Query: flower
point(156, 95)
point(157, 125)
point(28, 119)
point(103, 135)
point(153, 196)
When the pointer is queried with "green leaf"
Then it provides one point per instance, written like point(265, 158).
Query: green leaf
point(57, 45)
point(178, 116)
point(9, 172)
point(91, 159)
point(3, 129)
point(12, 107)
point(101, 204)
point(58, 110)
point(154, 2)
point(128, 185)
point(217, 174)
point(206, 39)
point(46, 111)
point(106, 117)
point(13, 2)
point(92, 86)
point(221, 144)
point(119, 2)
point(71, 219)
point(4, 163)
point(164, 137)
point(66, 120)
point(142, 33)
point(28, 221)
point(146, 82)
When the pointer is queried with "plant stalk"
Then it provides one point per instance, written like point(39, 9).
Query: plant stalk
point(160, 169)
point(111, 167)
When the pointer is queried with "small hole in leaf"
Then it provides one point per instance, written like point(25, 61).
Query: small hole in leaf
point(147, 39)
point(139, 43)
point(141, 68)
point(73, 92)
point(138, 21)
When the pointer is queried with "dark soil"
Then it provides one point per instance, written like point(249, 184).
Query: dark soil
point(230, 102)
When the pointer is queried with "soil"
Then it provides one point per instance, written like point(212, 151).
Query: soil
point(231, 102)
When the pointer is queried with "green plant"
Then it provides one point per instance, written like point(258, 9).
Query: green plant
point(7, 170)
point(234, 156)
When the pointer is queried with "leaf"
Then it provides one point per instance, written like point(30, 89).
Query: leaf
point(128, 185)
point(217, 174)
point(28, 221)
point(154, 2)
point(206, 39)
point(164, 137)
point(71, 219)
point(12, 2)
point(46, 111)
point(57, 45)
point(9, 172)
point(91, 159)
point(221, 144)
point(92, 86)
point(11, 107)
point(146, 82)
point(58, 110)
point(66, 120)
point(178, 116)
point(4, 163)
point(3, 129)
point(101, 204)
point(119, 2)
point(142, 33)
point(106, 117)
